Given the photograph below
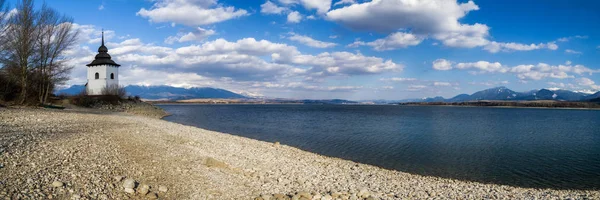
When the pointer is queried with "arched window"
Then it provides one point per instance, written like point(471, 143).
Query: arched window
point(112, 76)
point(97, 75)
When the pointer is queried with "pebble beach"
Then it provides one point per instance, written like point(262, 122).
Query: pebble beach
point(99, 154)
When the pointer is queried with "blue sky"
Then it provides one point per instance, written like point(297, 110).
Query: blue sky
point(351, 49)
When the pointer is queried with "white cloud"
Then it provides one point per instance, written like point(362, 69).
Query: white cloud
point(465, 36)
point(271, 8)
point(341, 63)
point(294, 17)
point(90, 34)
point(344, 2)
point(442, 64)
point(310, 41)
point(571, 51)
point(588, 83)
point(527, 72)
point(190, 12)
point(391, 42)
point(490, 83)
point(444, 84)
point(101, 7)
point(398, 79)
point(439, 19)
point(322, 6)
point(197, 35)
point(566, 39)
point(482, 66)
point(333, 36)
point(495, 47)
point(414, 88)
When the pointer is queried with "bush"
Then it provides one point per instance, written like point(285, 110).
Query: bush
point(83, 100)
point(114, 90)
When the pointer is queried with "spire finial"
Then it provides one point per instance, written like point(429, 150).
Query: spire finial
point(103, 37)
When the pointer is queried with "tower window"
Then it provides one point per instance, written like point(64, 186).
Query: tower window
point(112, 76)
point(97, 75)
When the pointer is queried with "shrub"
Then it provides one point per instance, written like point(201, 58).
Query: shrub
point(114, 90)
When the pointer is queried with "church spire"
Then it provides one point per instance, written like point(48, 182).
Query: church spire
point(102, 37)
point(102, 58)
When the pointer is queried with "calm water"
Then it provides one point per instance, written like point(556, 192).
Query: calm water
point(522, 147)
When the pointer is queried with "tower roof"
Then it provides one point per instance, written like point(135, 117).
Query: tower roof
point(103, 58)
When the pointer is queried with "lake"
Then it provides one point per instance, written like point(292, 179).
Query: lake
point(542, 148)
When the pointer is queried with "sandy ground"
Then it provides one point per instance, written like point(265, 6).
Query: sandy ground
point(75, 154)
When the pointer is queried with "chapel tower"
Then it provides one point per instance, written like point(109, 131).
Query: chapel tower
point(103, 72)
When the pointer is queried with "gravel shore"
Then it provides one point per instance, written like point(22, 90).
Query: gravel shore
point(74, 154)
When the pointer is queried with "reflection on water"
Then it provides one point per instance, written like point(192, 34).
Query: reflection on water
point(521, 147)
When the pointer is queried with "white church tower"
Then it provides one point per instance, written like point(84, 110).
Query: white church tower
point(102, 72)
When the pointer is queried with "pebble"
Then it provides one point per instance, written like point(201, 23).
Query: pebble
point(151, 195)
point(129, 190)
point(57, 184)
point(143, 189)
point(129, 183)
point(163, 189)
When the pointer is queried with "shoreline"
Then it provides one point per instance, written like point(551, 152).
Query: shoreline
point(87, 152)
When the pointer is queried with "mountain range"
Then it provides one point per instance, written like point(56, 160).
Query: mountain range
point(499, 93)
point(166, 92)
point(503, 93)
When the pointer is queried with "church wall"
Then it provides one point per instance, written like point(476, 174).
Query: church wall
point(95, 86)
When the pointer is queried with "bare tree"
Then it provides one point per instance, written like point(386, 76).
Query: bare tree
point(32, 47)
point(20, 45)
point(55, 36)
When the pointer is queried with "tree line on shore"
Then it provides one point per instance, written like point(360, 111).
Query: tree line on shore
point(33, 47)
point(546, 104)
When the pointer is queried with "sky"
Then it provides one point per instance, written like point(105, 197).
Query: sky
point(348, 49)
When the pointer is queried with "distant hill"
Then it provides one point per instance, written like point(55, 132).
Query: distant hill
point(593, 96)
point(505, 94)
point(165, 92)
point(328, 101)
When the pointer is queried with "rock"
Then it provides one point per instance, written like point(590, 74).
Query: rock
point(371, 198)
point(364, 193)
point(353, 197)
point(151, 195)
point(317, 196)
point(163, 189)
point(103, 197)
point(305, 194)
point(57, 184)
point(118, 178)
point(129, 183)
point(326, 197)
point(129, 190)
point(143, 189)
point(280, 197)
point(276, 144)
point(211, 162)
point(265, 197)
